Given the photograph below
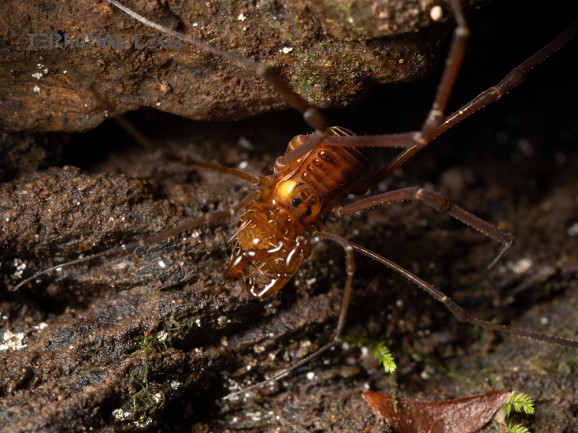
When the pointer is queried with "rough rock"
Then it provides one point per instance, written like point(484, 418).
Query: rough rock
point(330, 52)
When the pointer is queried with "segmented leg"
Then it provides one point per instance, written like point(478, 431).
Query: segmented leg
point(412, 142)
point(211, 218)
point(459, 312)
point(514, 78)
point(350, 269)
point(314, 117)
point(415, 141)
point(437, 201)
point(510, 82)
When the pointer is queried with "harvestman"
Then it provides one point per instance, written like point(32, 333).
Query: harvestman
point(319, 169)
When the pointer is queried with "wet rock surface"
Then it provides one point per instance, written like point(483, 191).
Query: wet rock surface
point(153, 339)
point(70, 74)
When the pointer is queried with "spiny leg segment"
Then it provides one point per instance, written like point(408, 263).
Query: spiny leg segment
point(437, 201)
point(211, 218)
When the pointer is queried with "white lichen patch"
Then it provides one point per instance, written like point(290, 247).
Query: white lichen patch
point(311, 281)
point(39, 75)
point(120, 414)
point(143, 423)
point(222, 322)
point(521, 266)
point(40, 326)
point(254, 416)
point(269, 310)
point(13, 341)
point(20, 267)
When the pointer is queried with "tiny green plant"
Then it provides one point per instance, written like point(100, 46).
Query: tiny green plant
point(381, 351)
point(385, 358)
point(159, 341)
point(517, 428)
point(383, 355)
point(144, 401)
point(519, 402)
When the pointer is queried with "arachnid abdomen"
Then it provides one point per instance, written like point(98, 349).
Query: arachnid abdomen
point(271, 242)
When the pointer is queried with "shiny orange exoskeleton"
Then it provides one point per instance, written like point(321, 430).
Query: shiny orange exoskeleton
point(272, 240)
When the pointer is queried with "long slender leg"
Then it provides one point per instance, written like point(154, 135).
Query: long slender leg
point(350, 269)
point(214, 217)
point(220, 168)
point(436, 115)
point(121, 120)
point(514, 78)
point(417, 141)
point(311, 115)
point(459, 312)
point(413, 142)
point(439, 202)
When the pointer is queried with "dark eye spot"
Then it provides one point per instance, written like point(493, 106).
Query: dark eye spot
point(296, 202)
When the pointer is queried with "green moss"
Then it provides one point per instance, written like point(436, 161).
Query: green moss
point(145, 400)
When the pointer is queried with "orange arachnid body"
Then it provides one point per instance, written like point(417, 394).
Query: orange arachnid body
point(272, 240)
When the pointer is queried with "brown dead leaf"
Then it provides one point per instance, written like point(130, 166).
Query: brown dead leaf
point(463, 415)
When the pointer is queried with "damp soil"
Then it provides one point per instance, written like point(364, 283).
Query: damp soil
point(154, 339)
